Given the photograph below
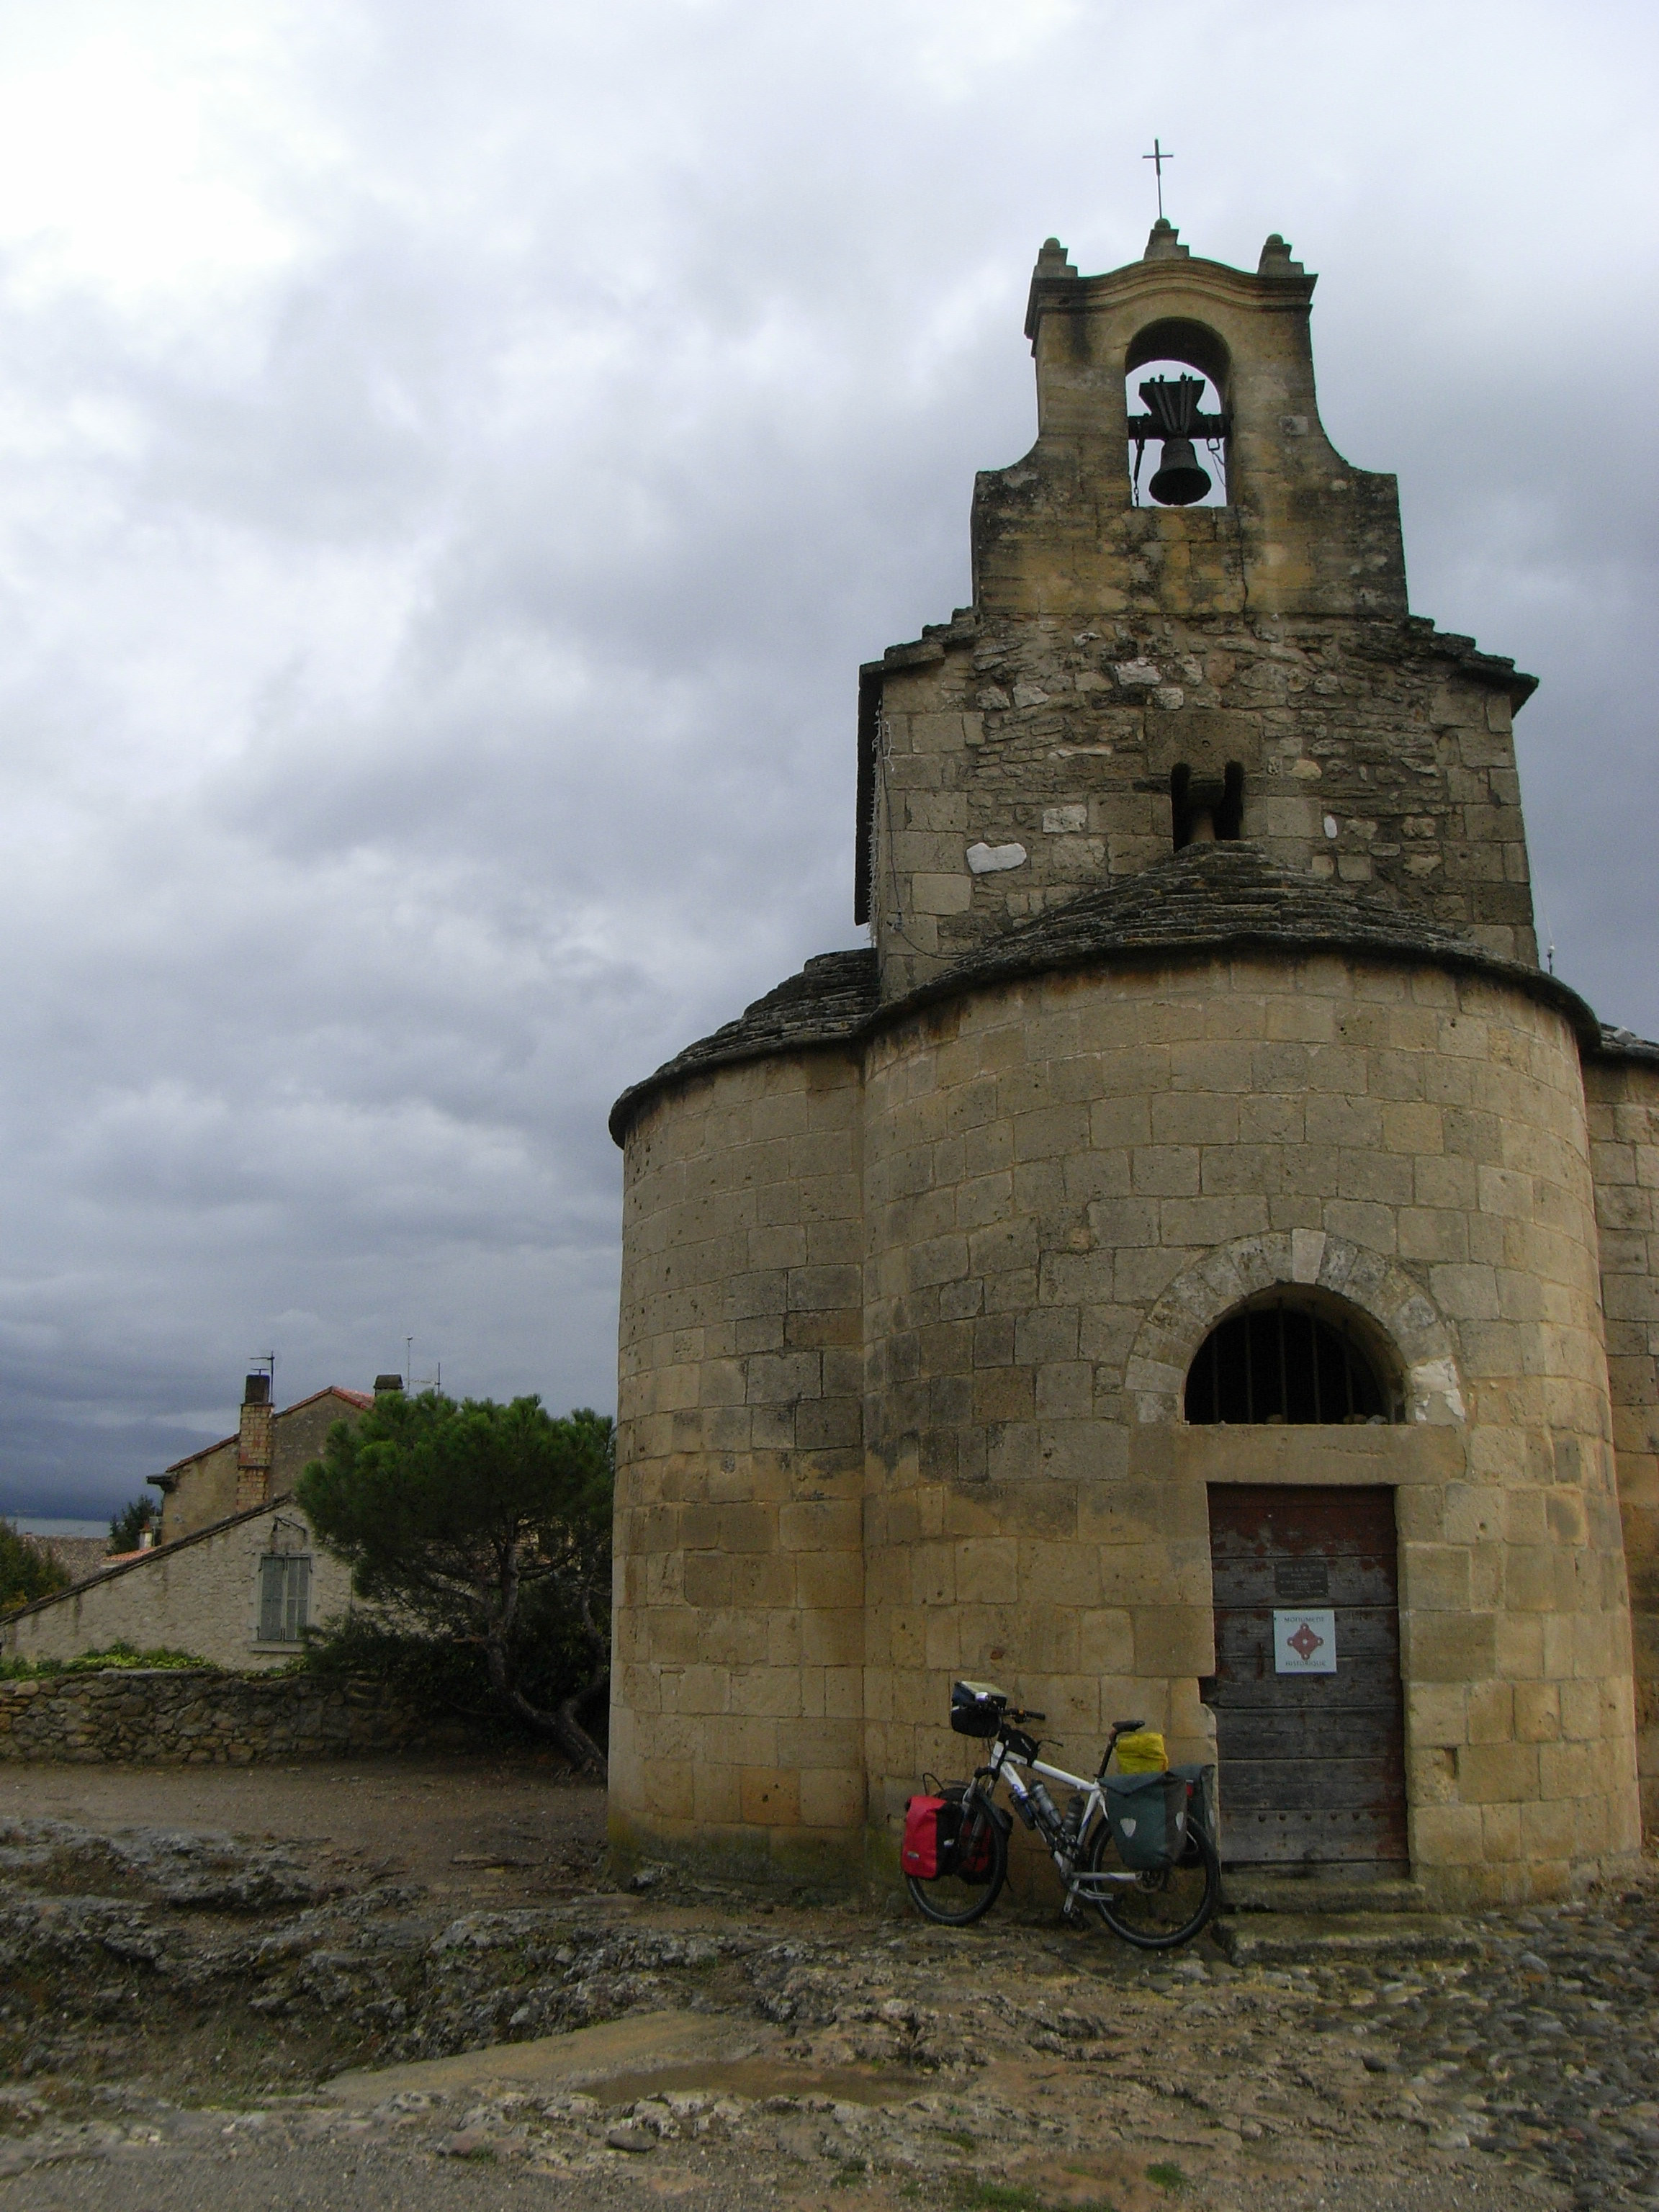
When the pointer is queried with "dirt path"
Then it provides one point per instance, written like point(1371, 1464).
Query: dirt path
point(496, 1830)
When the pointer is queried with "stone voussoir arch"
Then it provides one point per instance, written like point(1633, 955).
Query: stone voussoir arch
point(1202, 1294)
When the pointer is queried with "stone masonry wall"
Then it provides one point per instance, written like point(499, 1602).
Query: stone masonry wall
point(1068, 1181)
point(1369, 754)
point(1109, 641)
point(737, 1705)
point(1623, 1099)
point(195, 1717)
point(205, 1490)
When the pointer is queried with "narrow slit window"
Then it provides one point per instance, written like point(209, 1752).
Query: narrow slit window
point(1282, 1364)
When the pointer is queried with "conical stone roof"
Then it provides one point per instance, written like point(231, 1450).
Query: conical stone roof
point(1209, 898)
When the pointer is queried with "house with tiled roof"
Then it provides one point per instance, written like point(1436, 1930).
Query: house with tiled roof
point(235, 1574)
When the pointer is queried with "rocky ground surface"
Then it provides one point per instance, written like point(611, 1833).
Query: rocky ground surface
point(201, 2011)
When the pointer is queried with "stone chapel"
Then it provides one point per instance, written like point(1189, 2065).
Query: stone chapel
point(1195, 1264)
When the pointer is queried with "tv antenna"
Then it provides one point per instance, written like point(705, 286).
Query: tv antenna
point(432, 1382)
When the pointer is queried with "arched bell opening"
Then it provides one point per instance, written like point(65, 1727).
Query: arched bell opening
point(1292, 1357)
point(1178, 379)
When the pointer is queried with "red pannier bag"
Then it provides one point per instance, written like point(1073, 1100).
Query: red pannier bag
point(970, 1845)
point(925, 1818)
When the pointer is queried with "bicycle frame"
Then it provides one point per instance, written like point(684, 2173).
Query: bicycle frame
point(1003, 1764)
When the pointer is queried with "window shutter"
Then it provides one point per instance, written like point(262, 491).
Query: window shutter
point(298, 1599)
point(270, 1600)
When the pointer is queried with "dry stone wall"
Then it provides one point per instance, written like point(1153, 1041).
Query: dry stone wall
point(197, 1716)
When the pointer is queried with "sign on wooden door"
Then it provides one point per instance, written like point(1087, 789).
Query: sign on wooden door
point(1309, 1726)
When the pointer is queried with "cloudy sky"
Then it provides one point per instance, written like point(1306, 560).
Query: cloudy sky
point(451, 462)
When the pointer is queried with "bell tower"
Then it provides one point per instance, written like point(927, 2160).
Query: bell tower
point(1215, 642)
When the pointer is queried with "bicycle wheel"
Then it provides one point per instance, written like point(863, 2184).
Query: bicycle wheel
point(1157, 1910)
point(958, 1900)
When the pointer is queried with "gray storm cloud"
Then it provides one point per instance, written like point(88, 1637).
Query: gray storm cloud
point(450, 465)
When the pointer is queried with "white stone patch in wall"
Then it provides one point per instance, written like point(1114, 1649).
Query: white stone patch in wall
point(1307, 1255)
point(986, 859)
point(1057, 821)
point(1170, 695)
point(1330, 825)
point(1030, 694)
point(1434, 1390)
point(1131, 672)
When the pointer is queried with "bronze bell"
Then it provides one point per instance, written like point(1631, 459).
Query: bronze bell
point(1180, 480)
point(1174, 405)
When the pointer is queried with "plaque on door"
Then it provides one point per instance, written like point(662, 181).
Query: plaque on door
point(1300, 1581)
point(1305, 1640)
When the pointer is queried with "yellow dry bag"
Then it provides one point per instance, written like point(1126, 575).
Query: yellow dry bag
point(1143, 1752)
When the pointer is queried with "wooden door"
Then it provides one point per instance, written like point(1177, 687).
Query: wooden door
point(1312, 1764)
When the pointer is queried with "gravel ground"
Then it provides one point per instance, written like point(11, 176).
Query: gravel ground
point(178, 1991)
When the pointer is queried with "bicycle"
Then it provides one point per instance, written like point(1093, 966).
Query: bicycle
point(1154, 1908)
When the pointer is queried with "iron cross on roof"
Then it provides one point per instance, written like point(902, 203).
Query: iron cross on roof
point(1157, 157)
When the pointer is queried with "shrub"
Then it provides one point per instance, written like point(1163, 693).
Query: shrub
point(119, 1654)
point(28, 1571)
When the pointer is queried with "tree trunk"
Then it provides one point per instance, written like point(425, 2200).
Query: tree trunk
point(563, 1725)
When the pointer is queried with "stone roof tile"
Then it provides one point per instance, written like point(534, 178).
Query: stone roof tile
point(1210, 897)
point(831, 999)
point(1624, 1044)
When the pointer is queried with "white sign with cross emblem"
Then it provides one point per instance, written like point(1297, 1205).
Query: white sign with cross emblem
point(1305, 1641)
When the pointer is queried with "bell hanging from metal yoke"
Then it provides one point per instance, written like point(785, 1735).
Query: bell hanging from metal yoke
point(1173, 405)
point(1180, 480)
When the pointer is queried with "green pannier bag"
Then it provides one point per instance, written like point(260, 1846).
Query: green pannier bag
point(1200, 1805)
point(1148, 1814)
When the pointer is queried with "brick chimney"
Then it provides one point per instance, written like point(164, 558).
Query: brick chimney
point(253, 1443)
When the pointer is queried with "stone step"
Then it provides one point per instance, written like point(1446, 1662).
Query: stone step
point(1301, 1894)
point(1284, 1939)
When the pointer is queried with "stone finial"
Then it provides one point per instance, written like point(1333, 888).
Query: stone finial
point(1052, 260)
point(1163, 244)
point(1276, 260)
